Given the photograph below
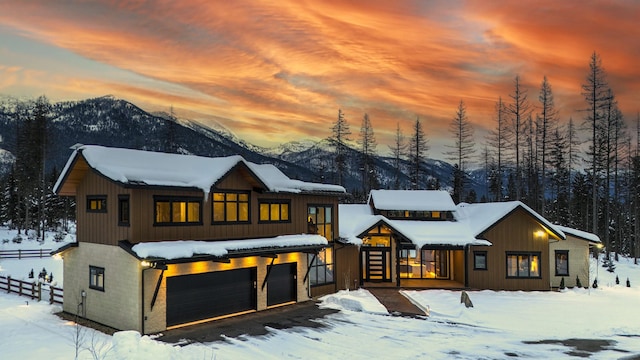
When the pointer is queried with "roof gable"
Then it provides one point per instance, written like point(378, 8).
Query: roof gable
point(146, 168)
point(412, 200)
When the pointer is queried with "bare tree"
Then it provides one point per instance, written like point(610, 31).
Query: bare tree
point(497, 142)
point(463, 148)
point(547, 120)
point(397, 150)
point(518, 111)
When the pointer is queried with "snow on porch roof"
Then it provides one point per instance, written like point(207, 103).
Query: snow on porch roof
point(412, 200)
point(162, 169)
point(580, 234)
point(172, 250)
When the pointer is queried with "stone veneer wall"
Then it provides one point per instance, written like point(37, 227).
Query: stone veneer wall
point(118, 306)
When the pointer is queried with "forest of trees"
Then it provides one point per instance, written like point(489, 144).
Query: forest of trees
point(532, 156)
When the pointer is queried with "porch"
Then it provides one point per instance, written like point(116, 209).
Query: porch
point(417, 284)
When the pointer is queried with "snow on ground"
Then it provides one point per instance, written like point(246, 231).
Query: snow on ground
point(497, 327)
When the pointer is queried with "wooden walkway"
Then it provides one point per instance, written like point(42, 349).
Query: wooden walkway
point(395, 302)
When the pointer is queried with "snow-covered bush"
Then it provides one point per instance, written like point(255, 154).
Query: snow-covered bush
point(17, 239)
point(59, 236)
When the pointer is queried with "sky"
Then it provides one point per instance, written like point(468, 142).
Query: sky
point(276, 71)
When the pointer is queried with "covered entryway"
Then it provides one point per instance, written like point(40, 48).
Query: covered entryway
point(202, 296)
point(281, 283)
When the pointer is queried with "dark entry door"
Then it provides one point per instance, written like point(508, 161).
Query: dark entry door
point(376, 264)
point(281, 284)
point(202, 296)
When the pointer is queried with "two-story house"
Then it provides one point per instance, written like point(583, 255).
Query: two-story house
point(165, 240)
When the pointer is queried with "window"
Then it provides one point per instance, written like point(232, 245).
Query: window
point(97, 203)
point(178, 211)
point(424, 264)
point(123, 210)
point(320, 221)
point(96, 278)
point(231, 207)
point(523, 265)
point(562, 262)
point(479, 260)
point(275, 211)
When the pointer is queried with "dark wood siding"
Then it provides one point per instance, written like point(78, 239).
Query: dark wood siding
point(100, 227)
point(103, 228)
point(515, 233)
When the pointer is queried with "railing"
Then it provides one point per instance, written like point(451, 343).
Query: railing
point(32, 290)
point(24, 254)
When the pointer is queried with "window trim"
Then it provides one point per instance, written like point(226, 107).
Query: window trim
point(102, 198)
point(521, 253)
point(270, 202)
point(99, 271)
point(121, 199)
point(475, 264)
point(171, 200)
point(225, 221)
point(566, 253)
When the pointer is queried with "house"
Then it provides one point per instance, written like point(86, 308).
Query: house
point(422, 239)
point(167, 240)
point(570, 258)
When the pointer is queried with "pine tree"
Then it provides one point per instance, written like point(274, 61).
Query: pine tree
point(367, 142)
point(397, 151)
point(497, 141)
point(417, 154)
point(518, 111)
point(547, 120)
point(339, 136)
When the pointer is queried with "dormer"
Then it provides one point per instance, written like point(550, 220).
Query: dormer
point(424, 205)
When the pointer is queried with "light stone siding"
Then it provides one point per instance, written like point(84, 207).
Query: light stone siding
point(578, 262)
point(118, 306)
point(156, 317)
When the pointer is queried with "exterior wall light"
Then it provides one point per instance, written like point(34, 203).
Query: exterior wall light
point(539, 233)
point(145, 264)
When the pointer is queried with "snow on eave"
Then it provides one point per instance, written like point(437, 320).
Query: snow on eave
point(171, 250)
point(65, 171)
point(412, 200)
point(583, 235)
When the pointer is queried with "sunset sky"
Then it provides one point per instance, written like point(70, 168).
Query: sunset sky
point(276, 71)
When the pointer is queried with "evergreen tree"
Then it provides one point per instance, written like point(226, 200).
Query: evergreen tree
point(397, 151)
point(367, 142)
point(547, 119)
point(417, 154)
point(519, 111)
point(497, 142)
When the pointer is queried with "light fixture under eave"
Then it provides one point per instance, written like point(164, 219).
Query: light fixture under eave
point(145, 264)
point(539, 233)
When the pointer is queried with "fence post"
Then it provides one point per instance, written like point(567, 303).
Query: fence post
point(19, 254)
point(8, 284)
point(39, 291)
point(19, 287)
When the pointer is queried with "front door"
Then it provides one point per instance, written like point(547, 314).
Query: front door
point(376, 263)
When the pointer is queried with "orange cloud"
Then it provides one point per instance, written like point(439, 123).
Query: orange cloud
point(277, 71)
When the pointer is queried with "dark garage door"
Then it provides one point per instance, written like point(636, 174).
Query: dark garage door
point(203, 296)
point(281, 284)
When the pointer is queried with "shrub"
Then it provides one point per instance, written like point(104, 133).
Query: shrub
point(59, 236)
point(17, 239)
point(562, 283)
point(578, 283)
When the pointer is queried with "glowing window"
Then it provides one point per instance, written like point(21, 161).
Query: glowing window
point(177, 211)
point(231, 207)
point(523, 265)
point(274, 211)
point(97, 203)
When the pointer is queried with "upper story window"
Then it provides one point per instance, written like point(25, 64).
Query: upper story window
point(418, 215)
point(320, 220)
point(177, 210)
point(231, 207)
point(97, 203)
point(123, 210)
point(275, 211)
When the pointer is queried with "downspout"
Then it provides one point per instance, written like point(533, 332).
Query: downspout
point(466, 265)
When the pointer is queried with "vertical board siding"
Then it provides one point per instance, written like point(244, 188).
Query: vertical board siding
point(514, 233)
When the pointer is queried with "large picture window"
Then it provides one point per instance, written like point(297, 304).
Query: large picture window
point(231, 207)
point(178, 211)
point(97, 203)
point(275, 211)
point(320, 221)
point(424, 264)
point(523, 265)
point(96, 278)
point(562, 262)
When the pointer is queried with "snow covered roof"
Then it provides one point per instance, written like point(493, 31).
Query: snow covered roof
point(172, 250)
point(481, 216)
point(412, 200)
point(356, 219)
point(141, 167)
point(579, 234)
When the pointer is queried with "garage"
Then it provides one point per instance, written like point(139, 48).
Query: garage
point(281, 284)
point(196, 297)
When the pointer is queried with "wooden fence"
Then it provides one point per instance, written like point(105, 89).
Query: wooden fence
point(33, 290)
point(24, 254)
